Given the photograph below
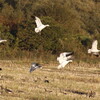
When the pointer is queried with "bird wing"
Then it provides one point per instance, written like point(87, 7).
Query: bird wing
point(94, 45)
point(69, 57)
point(32, 69)
point(69, 53)
point(65, 54)
point(60, 59)
point(34, 66)
point(64, 63)
point(38, 22)
point(64, 59)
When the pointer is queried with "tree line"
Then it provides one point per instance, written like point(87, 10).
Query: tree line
point(74, 24)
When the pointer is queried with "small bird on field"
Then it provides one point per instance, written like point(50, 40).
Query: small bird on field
point(39, 24)
point(94, 50)
point(64, 59)
point(34, 66)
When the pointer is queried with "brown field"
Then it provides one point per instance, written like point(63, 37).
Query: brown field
point(77, 81)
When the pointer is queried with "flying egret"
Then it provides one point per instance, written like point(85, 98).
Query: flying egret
point(39, 24)
point(94, 50)
point(64, 59)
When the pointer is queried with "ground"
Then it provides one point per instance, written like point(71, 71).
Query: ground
point(77, 81)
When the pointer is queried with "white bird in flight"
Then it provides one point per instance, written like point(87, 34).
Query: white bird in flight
point(2, 40)
point(39, 24)
point(94, 50)
point(64, 59)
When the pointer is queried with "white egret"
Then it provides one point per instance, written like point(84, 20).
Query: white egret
point(39, 24)
point(94, 50)
point(64, 59)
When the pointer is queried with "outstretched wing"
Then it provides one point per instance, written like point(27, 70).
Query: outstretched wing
point(34, 66)
point(69, 57)
point(38, 22)
point(66, 54)
point(60, 59)
point(64, 57)
point(94, 45)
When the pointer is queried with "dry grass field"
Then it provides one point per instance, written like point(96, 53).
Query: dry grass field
point(77, 81)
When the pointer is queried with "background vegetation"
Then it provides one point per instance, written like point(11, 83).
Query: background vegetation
point(74, 24)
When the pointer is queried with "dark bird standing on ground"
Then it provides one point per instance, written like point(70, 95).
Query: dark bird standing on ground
point(34, 66)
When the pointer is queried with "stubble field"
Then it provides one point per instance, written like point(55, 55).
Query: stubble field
point(77, 81)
